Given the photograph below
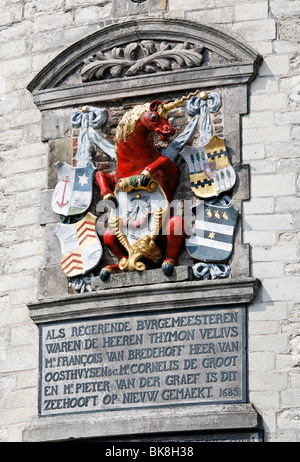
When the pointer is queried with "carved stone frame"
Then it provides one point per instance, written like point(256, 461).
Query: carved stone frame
point(56, 89)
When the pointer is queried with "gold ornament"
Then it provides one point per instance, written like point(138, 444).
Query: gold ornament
point(143, 248)
point(133, 182)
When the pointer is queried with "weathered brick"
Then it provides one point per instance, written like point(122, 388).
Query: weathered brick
point(20, 358)
point(13, 49)
point(21, 281)
point(264, 381)
point(275, 65)
point(265, 399)
point(249, 11)
point(257, 238)
point(288, 29)
point(89, 16)
point(277, 343)
point(28, 198)
point(25, 250)
point(193, 4)
point(268, 312)
point(266, 134)
point(287, 288)
point(24, 165)
point(259, 119)
point(282, 150)
point(263, 102)
point(264, 328)
point(275, 254)
point(287, 204)
point(212, 16)
point(26, 181)
point(279, 8)
point(265, 29)
point(17, 67)
point(259, 205)
point(253, 151)
point(264, 361)
point(265, 270)
point(273, 185)
point(23, 216)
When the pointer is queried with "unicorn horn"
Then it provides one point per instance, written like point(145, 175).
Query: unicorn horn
point(179, 102)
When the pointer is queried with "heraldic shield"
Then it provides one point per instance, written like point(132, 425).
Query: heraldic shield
point(137, 220)
point(73, 192)
point(210, 170)
point(213, 237)
point(80, 246)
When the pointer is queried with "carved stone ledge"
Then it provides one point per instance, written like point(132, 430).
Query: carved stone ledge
point(112, 90)
point(142, 422)
point(152, 297)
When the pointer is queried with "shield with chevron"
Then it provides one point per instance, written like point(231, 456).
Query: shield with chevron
point(80, 246)
point(210, 170)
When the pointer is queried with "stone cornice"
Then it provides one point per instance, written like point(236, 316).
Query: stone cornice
point(148, 298)
point(142, 421)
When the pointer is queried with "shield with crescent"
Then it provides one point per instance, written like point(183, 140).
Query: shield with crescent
point(73, 192)
point(213, 236)
point(80, 246)
point(211, 172)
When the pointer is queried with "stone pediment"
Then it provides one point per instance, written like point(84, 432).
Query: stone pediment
point(140, 57)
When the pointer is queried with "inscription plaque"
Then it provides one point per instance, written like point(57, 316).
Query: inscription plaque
point(184, 357)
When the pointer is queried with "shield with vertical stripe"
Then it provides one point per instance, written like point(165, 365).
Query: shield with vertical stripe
point(213, 236)
point(80, 246)
point(210, 170)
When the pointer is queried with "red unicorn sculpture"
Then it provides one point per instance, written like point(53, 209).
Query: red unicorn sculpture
point(138, 155)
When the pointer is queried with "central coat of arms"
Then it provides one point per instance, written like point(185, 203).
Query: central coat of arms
point(137, 221)
point(141, 232)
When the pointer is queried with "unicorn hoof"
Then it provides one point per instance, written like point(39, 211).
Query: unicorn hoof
point(145, 179)
point(104, 274)
point(167, 268)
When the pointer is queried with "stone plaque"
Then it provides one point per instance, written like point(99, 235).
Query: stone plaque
point(133, 361)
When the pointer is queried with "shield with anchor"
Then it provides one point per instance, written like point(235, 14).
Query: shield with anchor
point(73, 192)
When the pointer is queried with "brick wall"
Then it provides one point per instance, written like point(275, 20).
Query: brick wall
point(34, 32)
